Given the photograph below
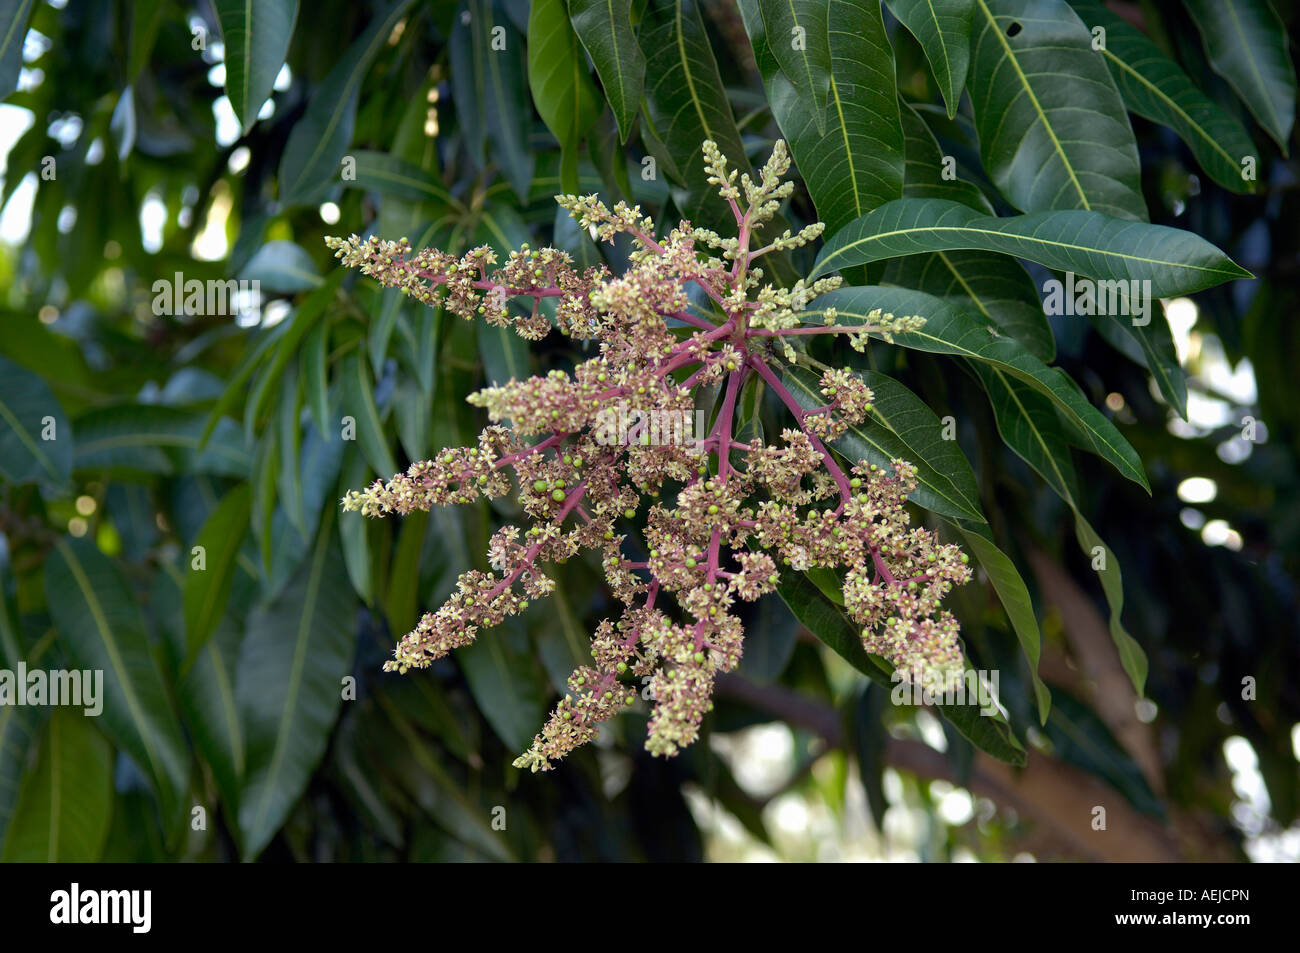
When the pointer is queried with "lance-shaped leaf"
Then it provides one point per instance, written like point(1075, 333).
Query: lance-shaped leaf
point(390, 175)
point(1014, 596)
point(1030, 427)
point(99, 623)
point(997, 286)
point(151, 438)
point(13, 30)
point(1148, 341)
point(295, 654)
point(949, 330)
point(63, 809)
point(1154, 86)
point(359, 404)
point(942, 27)
point(566, 98)
point(827, 621)
point(35, 439)
point(1087, 243)
point(605, 28)
point(901, 426)
point(208, 589)
point(206, 693)
point(685, 101)
point(798, 38)
point(857, 162)
point(1082, 739)
point(1248, 46)
point(487, 74)
point(505, 682)
point(1052, 127)
point(256, 38)
point(321, 137)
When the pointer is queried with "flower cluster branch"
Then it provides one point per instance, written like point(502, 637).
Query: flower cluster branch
point(723, 514)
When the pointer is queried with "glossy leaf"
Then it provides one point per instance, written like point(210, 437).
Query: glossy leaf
point(942, 27)
point(1052, 127)
point(605, 28)
point(798, 38)
point(1154, 86)
point(562, 89)
point(99, 622)
point(35, 439)
point(295, 653)
point(996, 286)
point(1014, 595)
point(857, 164)
point(901, 426)
point(311, 159)
point(63, 809)
point(948, 330)
point(1247, 44)
point(1088, 243)
point(256, 37)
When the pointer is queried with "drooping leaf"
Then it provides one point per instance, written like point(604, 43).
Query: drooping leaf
point(828, 622)
point(685, 102)
point(359, 404)
point(948, 330)
point(99, 623)
point(1030, 427)
point(562, 89)
point(207, 589)
point(1247, 44)
point(490, 91)
point(605, 28)
point(798, 38)
point(858, 163)
point(312, 155)
point(206, 693)
point(1052, 127)
point(1014, 595)
point(256, 38)
point(1154, 86)
point(901, 426)
point(505, 682)
point(13, 30)
point(35, 439)
point(942, 27)
point(1087, 243)
point(296, 651)
point(64, 806)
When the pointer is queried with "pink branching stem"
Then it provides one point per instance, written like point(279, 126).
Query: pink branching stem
point(841, 481)
point(831, 329)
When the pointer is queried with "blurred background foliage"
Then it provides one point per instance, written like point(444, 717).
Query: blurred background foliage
point(161, 139)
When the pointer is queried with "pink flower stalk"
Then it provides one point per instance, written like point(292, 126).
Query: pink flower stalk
point(722, 512)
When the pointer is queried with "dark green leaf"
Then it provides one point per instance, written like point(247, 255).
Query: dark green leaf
point(64, 806)
point(942, 27)
point(256, 37)
point(605, 28)
point(1248, 46)
point(35, 439)
point(1052, 127)
point(1088, 243)
point(99, 622)
point(292, 662)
